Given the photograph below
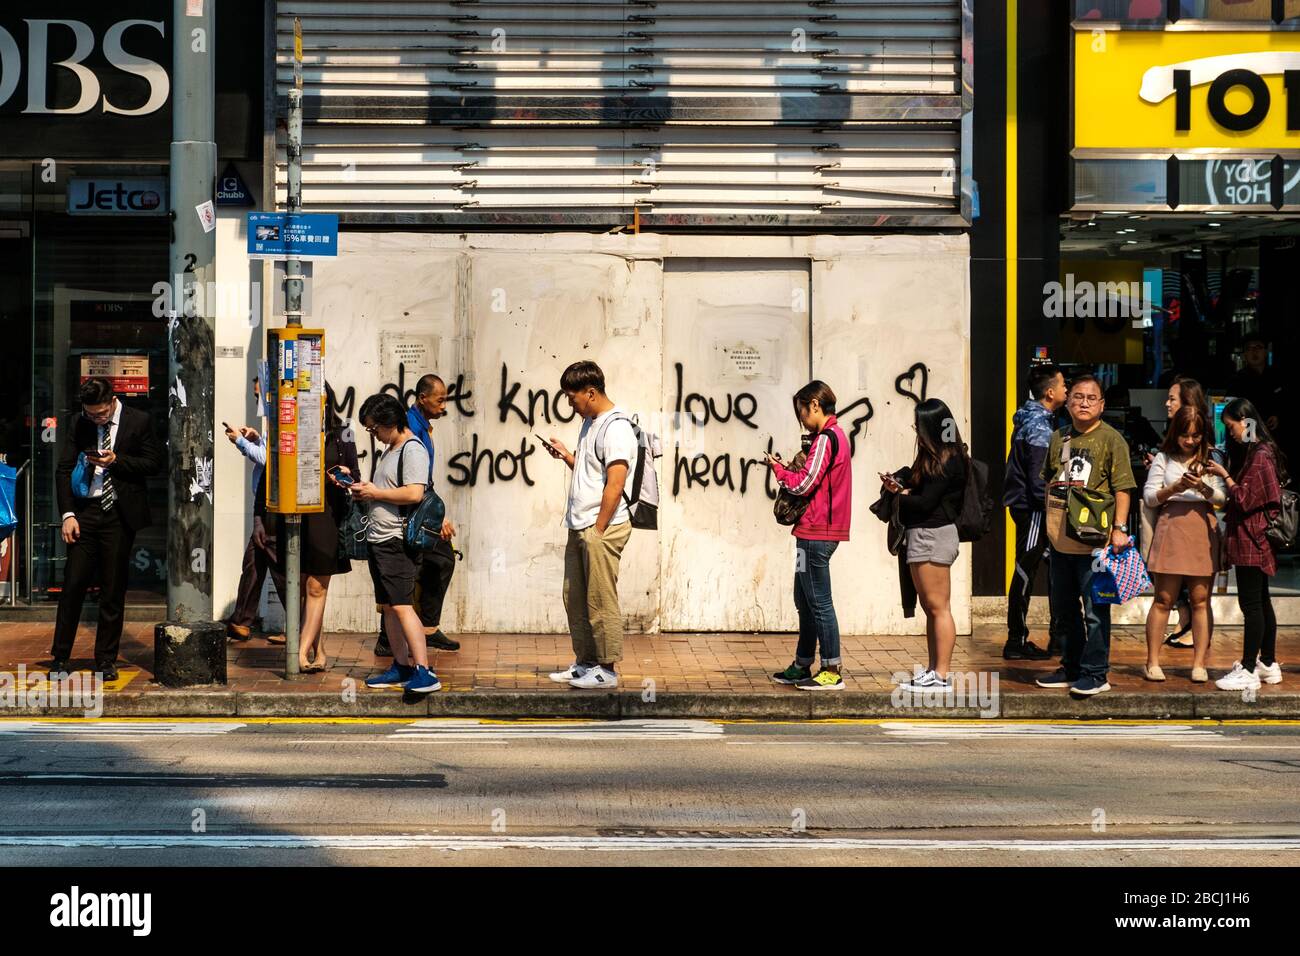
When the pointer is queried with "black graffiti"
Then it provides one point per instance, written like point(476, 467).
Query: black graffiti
point(909, 376)
point(501, 466)
point(709, 408)
point(858, 423)
point(345, 406)
point(700, 470)
point(457, 394)
point(550, 402)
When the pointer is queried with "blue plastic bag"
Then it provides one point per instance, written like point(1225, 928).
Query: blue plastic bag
point(1103, 588)
point(83, 473)
point(8, 499)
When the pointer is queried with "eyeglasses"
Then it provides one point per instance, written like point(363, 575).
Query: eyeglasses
point(1085, 400)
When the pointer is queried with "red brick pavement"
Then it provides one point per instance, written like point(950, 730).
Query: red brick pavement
point(721, 663)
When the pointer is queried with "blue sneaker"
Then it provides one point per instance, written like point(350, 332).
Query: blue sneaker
point(1088, 686)
point(424, 681)
point(1058, 678)
point(395, 676)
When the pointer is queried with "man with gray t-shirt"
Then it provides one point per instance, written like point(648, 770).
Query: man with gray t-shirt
point(599, 527)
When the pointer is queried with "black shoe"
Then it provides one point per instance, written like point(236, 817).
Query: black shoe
point(107, 670)
point(382, 648)
point(1015, 650)
point(441, 641)
point(60, 665)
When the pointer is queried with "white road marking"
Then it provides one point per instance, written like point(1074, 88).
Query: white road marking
point(116, 729)
point(569, 730)
point(1028, 731)
point(630, 843)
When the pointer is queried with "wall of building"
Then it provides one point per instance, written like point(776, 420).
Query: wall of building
point(706, 339)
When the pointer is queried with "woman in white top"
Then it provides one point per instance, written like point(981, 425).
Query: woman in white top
point(1185, 545)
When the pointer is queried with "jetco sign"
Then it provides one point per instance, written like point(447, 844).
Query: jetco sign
point(1181, 90)
point(81, 80)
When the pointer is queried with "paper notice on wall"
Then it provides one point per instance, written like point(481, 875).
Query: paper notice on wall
point(405, 356)
point(311, 386)
point(194, 8)
point(746, 361)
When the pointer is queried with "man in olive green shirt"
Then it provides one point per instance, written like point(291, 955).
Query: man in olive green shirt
point(1093, 455)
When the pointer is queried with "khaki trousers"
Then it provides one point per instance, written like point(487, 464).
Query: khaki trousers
point(591, 592)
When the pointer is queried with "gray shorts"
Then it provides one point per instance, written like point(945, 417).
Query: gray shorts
point(935, 545)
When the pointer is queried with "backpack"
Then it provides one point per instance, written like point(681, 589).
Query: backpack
point(1282, 529)
point(422, 523)
point(643, 502)
point(788, 507)
point(976, 517)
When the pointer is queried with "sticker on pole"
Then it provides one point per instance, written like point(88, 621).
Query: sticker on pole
point(288, 443)
point(288, 411)
point(207, 215)
point(279, 235)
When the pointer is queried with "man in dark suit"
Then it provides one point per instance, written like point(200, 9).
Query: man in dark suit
point(100, 529)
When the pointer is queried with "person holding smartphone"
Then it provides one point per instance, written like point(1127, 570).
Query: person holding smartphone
point(99, 530)
point(1185, 543)
point(930, 497)
point(1255, 475)
point(826, 478)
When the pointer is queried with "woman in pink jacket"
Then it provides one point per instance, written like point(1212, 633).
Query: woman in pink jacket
point(827, 479)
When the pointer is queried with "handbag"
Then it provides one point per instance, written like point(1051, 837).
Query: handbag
point(1281, 529)
point(1119, 577)
point(789, 507)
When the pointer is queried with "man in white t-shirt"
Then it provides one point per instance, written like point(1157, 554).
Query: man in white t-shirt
point(599, 526)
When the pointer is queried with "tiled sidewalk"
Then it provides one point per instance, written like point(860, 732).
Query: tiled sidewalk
point(696, 663)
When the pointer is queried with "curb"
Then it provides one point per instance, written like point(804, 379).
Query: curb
point(668, 706)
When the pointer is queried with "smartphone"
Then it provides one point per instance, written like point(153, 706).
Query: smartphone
point(228, 428)
point(545, 444)
point(341, 476)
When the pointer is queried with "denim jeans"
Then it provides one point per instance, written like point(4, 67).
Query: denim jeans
point(1087, 636)
point(812, 597)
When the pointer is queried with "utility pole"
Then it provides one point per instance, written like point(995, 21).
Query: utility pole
point(191, 321)
point(293, 319)
point(190, 647)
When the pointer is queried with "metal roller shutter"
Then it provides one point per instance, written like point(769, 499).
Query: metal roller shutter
point(698, 112)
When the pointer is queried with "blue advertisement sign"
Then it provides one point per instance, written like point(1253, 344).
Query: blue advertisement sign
point(277, 235)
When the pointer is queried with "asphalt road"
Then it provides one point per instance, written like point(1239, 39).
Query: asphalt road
point(466, 792)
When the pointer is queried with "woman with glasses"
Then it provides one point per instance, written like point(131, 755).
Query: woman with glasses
point(400, 479)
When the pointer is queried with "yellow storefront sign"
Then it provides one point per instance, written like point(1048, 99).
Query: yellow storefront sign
point(1183, 90)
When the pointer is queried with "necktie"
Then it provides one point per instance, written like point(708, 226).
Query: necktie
point(109, 497)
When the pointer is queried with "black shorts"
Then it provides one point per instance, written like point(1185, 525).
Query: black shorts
point(394, 572)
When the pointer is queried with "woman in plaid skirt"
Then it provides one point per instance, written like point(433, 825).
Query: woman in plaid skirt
point(1255, 474)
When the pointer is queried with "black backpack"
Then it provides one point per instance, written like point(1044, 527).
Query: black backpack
point(977, 509)
point(789, 508)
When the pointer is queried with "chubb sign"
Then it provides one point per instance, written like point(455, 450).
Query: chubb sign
point(44, 35)
point(1175, 90)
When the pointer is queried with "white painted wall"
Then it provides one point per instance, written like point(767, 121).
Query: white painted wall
point(637, 305)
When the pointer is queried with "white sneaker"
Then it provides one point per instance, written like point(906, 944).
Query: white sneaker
point(927, 681)
point(1238, 679)
point(572, 672)
point(595, 678)
point(1269, 673)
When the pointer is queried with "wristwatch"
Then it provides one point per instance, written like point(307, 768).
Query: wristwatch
point(1122, 527)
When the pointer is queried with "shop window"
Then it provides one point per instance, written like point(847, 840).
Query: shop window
point(1226, 183)
point(1121, 183)
point(1257, 10)
point(1121, 10)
